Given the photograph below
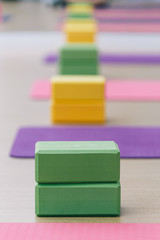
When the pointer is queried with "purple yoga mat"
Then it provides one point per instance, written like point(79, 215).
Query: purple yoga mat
point(134, 142)
point(116, 59)
point(51, 58)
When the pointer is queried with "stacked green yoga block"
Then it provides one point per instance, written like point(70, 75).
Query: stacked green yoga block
point(79, 59)
point(77, 178)
point(79, 3)
point(80, 15)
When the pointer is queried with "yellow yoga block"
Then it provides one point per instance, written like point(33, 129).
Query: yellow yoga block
point(77, 87)
point(82, 112)
point(78, 8)
point(81, 20)
point(80, 32)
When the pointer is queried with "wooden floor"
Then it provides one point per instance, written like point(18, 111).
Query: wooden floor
point(20, 65)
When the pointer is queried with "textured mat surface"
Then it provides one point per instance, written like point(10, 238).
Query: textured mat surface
point(134, 142)
point(79, 231)
point(122, 90)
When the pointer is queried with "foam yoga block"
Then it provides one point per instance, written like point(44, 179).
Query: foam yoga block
point(77, 99)
point(81, 69)
point(93, 112)
point(80, 9)
point(80, 32)
point(79, 59)
point(83, 19)
point(78, 199)
point(87, 161)
point(79, 6)
point(80, 51)
point(77, 87)
point(79, 15)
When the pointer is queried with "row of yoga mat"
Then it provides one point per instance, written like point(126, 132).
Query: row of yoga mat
point(126, 20)
point(141, 142)
point(79, 231)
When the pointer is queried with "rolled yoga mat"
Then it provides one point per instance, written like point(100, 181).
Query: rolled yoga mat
point(133, 142)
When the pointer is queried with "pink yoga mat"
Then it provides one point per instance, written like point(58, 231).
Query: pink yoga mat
point(136, 13)
point(121, 90)
point(127, 16)
point(129, 27)
point(123, 27)
point(125, 13)
point(124, 10)
point(79, 231)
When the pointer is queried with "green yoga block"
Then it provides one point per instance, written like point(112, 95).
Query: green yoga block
point(81, 70)
point(77, 161)
point(69, 62)
point(80, 15)
point(93, 199)
point(80, 3)
point(79, 51)
point(79, 59)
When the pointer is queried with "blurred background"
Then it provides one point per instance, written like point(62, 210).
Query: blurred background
point(43, 15)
